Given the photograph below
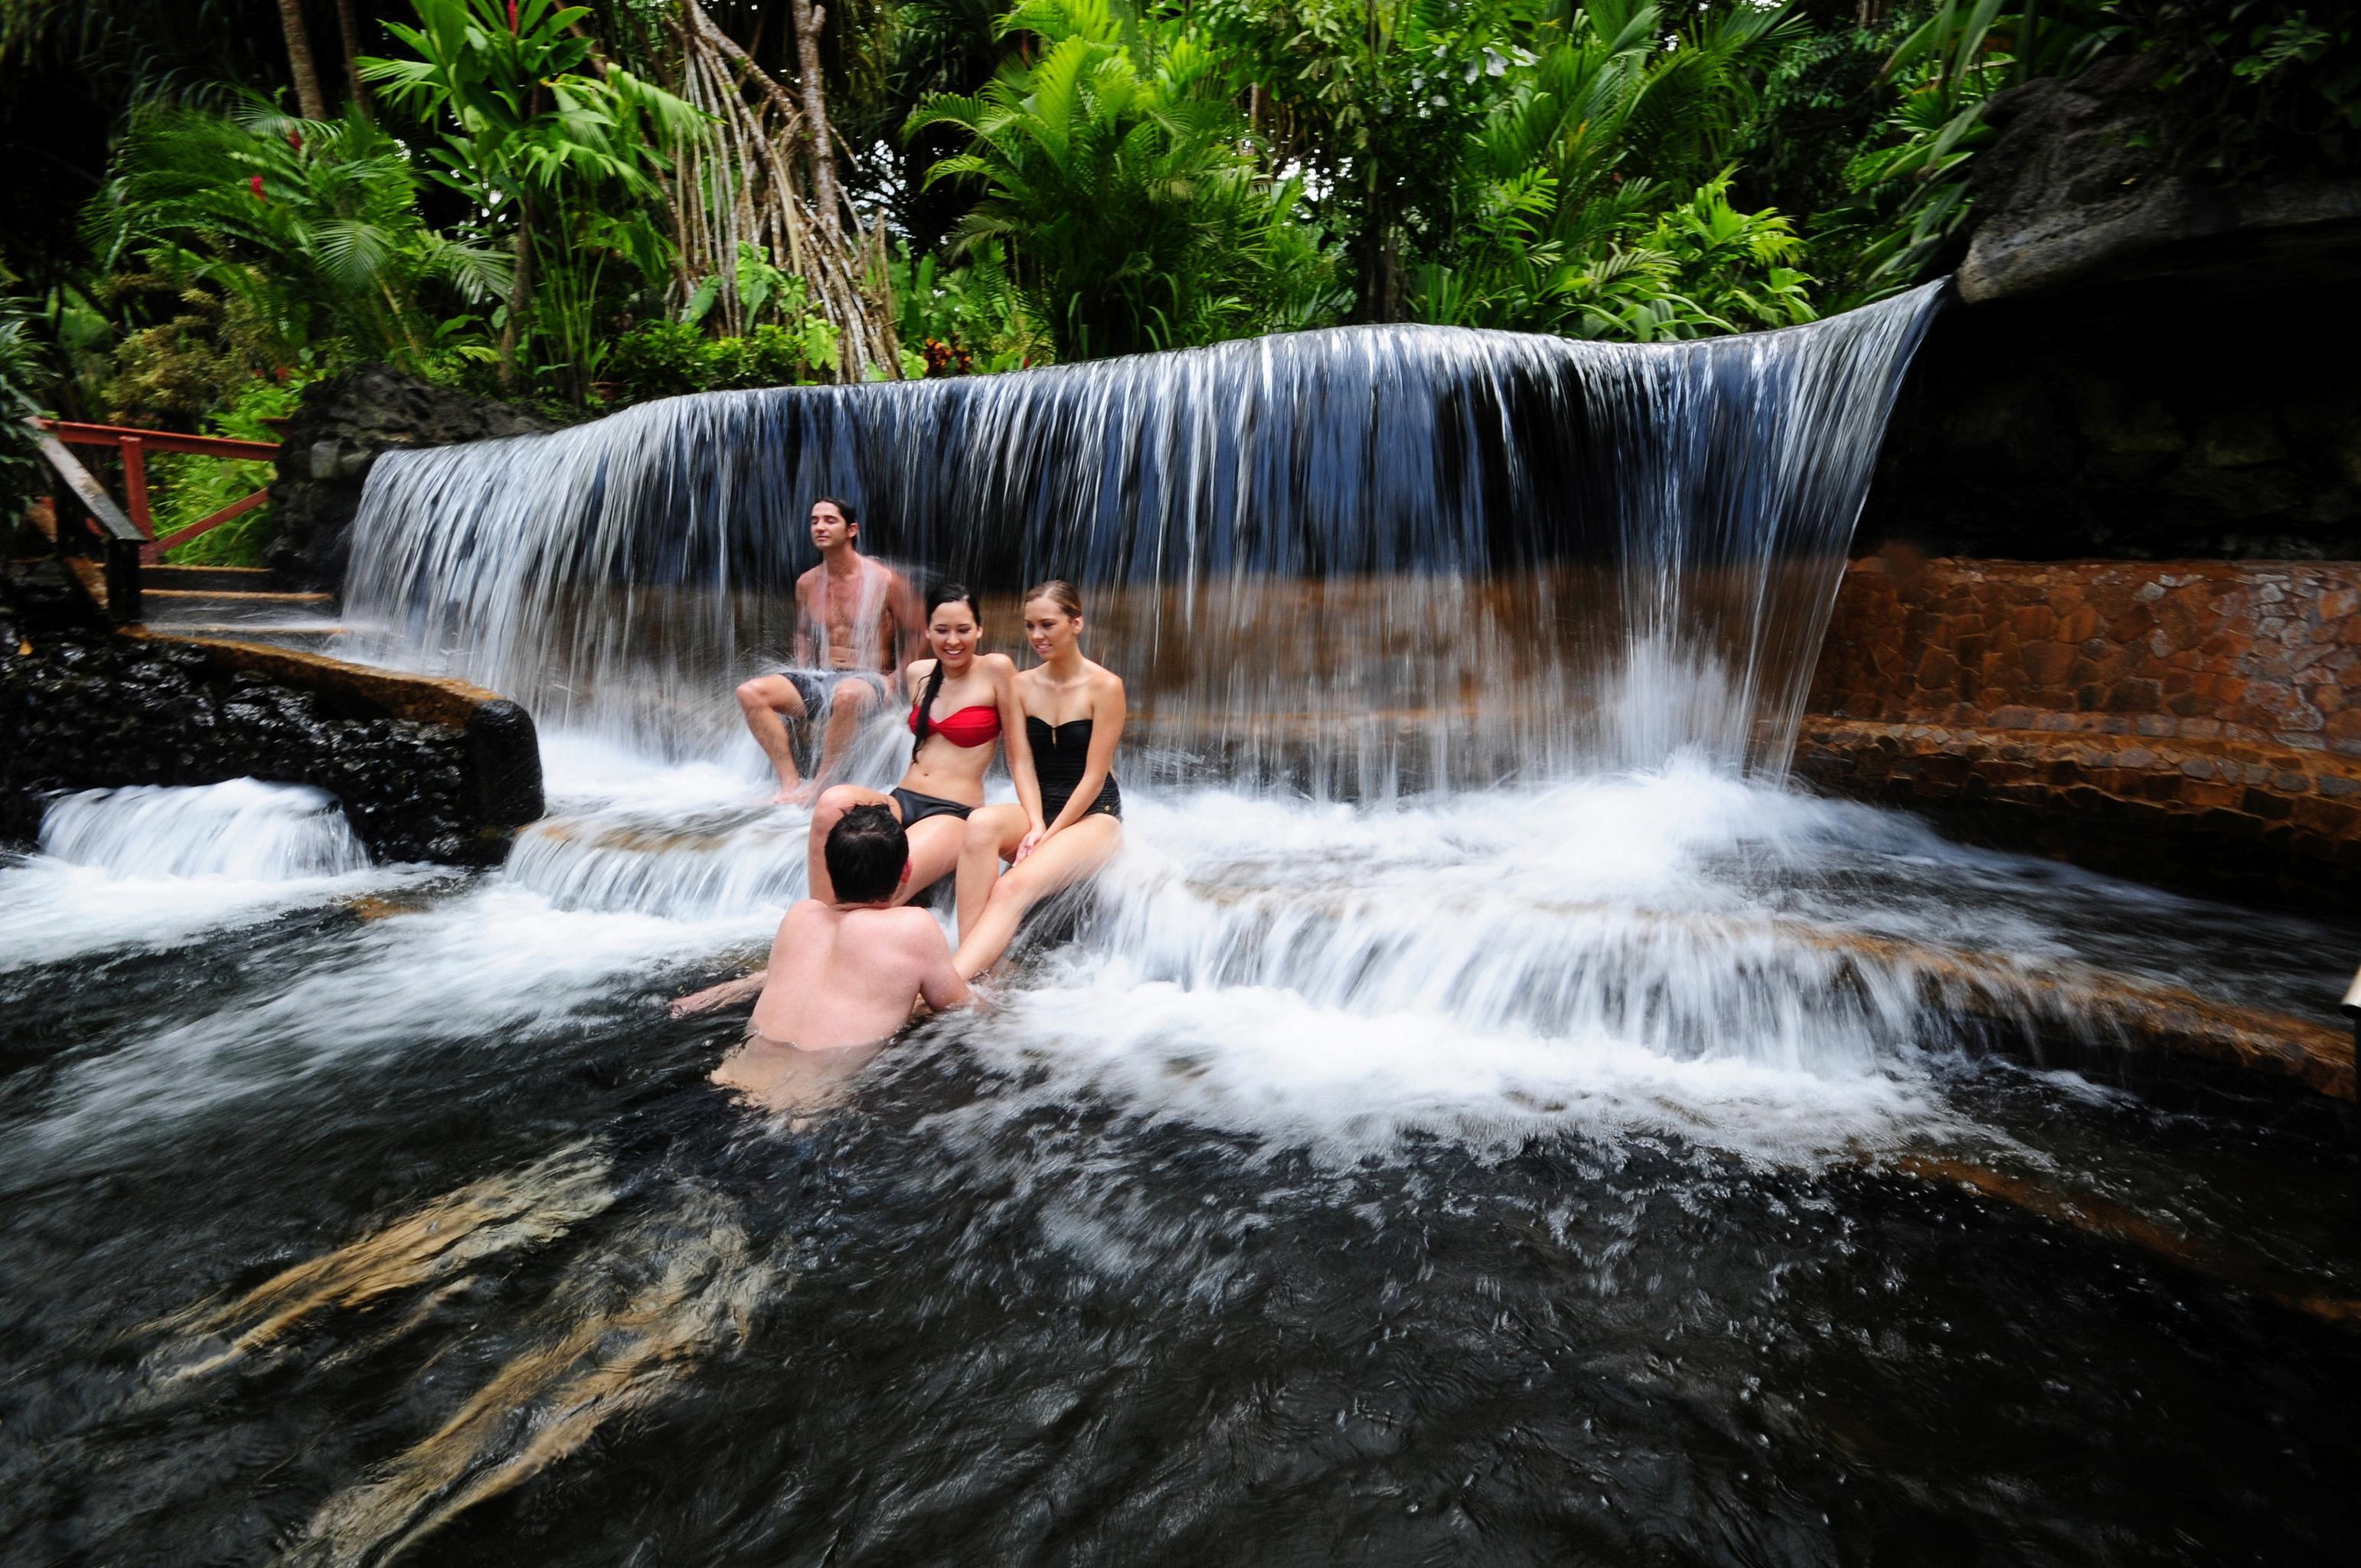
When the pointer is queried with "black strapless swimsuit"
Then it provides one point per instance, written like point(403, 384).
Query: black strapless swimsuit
point(1060, 752)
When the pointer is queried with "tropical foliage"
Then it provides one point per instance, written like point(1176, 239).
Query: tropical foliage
point(584, 205)
point(1117, 174)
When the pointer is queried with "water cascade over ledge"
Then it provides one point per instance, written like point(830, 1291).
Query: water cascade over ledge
point(1481, 1109)
point(1365, 558)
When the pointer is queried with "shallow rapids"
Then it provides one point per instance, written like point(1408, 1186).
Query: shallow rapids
point(1481, 1116)
point(1582, 1162)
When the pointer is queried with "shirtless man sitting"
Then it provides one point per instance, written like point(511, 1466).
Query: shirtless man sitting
point(842, 977)
point(857, 622)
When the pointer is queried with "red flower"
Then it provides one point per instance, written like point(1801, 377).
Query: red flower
point(254, 183)
point(512, 15)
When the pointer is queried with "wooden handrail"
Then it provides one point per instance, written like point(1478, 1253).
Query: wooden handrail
point(239, 508)
point(134, 445)
point(105, 515)
point(160, 440)
point(120, 542)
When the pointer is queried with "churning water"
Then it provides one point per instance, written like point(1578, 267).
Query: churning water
point(1483, 1115)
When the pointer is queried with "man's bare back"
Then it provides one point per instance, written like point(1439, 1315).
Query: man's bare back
point(842, 975)
point(841, 981)
point(846, 977)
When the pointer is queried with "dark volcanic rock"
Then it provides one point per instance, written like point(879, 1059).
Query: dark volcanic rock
point(341, 426)
point(82, 708)
point(2149, 421)
point(2144, 365)
point(2075, 192)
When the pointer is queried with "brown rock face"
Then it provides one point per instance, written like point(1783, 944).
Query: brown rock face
point(2189, 721)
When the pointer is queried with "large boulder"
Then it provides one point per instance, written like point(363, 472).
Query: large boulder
point(2135, 368)
point(2075, 192)
point(339, 430)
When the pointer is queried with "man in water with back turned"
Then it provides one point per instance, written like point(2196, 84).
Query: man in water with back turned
point(857, 622)
point(842, 976)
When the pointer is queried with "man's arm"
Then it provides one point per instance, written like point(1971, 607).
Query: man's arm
point(806, 654)
point(909, 620)
point(721, 995)
point(937, 982)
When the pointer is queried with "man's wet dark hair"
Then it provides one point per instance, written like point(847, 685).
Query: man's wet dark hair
point(865, 853)
point(844, 509)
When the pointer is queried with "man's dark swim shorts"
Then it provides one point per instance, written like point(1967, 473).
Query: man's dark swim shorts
point(817, 687)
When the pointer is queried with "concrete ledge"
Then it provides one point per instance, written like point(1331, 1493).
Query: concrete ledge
point(503, 750)
point(2253, 821)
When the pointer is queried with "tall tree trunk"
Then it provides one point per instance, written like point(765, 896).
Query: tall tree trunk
point(520, 293)
point(809, 19)
point(306, 72)
point(350, 26)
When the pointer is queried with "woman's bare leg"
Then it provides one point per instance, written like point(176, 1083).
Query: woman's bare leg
point(1064, 859)
point(934, 853)
point(827, 812)
point(993, 834)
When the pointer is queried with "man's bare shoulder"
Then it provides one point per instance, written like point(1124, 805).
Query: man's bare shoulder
point(910, 926)
point(807, 912)
point(809, 580)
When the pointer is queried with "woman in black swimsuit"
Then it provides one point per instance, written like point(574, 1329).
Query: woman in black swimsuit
point(962, 701)
point(1073, 719)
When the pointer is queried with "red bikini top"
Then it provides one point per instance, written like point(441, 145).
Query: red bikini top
point(976, 725)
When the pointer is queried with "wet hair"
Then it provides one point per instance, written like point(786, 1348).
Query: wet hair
point(1057, 591)
point(865, 853)
point(843, 507)
point(945, 593)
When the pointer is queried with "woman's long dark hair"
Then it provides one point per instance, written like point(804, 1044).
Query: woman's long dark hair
point(949, 593)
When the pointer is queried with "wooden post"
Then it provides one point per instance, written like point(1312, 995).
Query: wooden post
point(134, 483)
point(123, 581)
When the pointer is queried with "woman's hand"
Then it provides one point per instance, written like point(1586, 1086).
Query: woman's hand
point(1027, 844)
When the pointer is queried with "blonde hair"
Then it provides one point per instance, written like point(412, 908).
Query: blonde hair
point(1057, 591)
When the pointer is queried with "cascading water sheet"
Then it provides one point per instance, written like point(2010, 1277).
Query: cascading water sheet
point(1362, 558)
point(1457, 582)
point(1544, 1135)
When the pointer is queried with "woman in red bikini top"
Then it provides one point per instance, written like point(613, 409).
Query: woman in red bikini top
point(961, 703)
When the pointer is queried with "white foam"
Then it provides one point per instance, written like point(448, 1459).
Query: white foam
point(241, 830)
point(489, 971)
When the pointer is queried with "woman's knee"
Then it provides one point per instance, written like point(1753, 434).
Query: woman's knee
point(1022, 885)
point(832, 803)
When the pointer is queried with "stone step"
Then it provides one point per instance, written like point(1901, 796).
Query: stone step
point(182, 606)
point(167, 576)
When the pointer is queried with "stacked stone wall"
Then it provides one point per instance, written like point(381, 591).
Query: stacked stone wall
point(2263, 654)
point(2189, 722)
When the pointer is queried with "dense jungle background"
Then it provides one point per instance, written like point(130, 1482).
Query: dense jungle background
point(215, 202)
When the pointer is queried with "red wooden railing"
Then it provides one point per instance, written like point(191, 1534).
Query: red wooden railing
point(123, 539)
point(134, 446)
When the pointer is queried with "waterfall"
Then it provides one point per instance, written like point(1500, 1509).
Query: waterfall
point(241, 830)
point(1366, 559)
